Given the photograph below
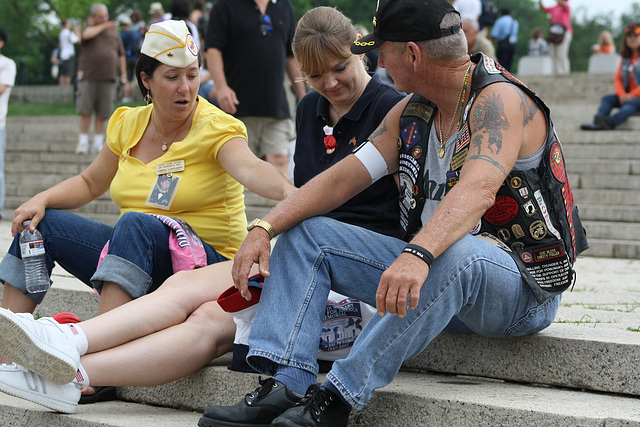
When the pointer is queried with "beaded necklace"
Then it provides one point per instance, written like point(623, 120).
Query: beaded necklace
point(461, 97)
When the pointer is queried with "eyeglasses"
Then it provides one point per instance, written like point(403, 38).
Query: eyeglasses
point(265, 25)
point(633, 30)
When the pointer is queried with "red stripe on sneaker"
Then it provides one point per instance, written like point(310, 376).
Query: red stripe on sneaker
point(74, 331)
point(79, 377)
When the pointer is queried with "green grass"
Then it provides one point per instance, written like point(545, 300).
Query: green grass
point(68, 109)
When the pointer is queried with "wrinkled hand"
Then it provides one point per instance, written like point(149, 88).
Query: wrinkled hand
point(256, 249)
point(227, 100)
point(401, 281)
point(31, 209)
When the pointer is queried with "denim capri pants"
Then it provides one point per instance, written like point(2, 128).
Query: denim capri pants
point(138, 260)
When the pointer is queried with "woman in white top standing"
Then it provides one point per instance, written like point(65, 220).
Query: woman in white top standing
point(67, 40)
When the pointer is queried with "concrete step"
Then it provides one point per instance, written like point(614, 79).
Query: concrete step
point(612, 248)
point(418, 398)
point(612, 230)
point(604, 167)
point(18, 412)
point(605, 197)
point(412, 399)
point(619, 214)
point(574, 88)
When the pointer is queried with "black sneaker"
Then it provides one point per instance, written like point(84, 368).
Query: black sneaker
point(258, 408)
point(604, 121)
point(591, 126)
point(319, 407)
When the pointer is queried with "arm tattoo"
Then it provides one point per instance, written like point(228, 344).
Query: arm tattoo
point(490, 115)
point(489, 160)
point(527, 107)
point(380, 130)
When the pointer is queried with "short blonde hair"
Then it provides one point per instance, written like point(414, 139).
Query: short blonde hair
point(322, 31)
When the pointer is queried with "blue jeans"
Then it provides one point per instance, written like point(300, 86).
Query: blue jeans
point(138, 260)
point(609, 102)
point(473, 286)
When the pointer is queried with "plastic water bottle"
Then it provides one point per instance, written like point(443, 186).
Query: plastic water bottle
point(33, 255)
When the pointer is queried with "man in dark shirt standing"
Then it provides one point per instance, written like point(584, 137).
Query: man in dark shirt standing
point(248, 50)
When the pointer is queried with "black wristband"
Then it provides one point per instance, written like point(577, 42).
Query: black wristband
point(420, 252)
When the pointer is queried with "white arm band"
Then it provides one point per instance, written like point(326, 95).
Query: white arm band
point(371, 158)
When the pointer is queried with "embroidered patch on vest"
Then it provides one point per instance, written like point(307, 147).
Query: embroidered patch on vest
point(410, 135)
point(503, 211)
point(557, 163)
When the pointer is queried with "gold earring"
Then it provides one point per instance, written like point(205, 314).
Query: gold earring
point(147, 98)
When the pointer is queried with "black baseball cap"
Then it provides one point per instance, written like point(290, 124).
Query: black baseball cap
point(404, 21)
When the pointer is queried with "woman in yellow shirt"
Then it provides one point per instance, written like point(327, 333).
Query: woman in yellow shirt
point(178, 138)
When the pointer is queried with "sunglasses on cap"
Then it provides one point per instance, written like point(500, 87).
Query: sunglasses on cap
point(632, 29)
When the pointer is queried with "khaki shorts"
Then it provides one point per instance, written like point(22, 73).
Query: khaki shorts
point(268, 135)
point(96, 96)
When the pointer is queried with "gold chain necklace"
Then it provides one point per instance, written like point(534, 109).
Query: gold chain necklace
point(463, 91)
point(165, 145)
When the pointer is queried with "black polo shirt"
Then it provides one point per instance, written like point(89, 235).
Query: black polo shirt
point(376, 208)
point(254, 64)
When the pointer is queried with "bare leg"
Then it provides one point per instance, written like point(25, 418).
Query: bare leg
point(171, 304)
point(16, 301)
point(85, 123)
point(112, 296)
point(99, 125)
point(280, 161)
point(206, 334)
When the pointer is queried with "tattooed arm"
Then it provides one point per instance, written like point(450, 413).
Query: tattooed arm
point(504, 124)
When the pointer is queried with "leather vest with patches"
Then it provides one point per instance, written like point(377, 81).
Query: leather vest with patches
point(534, 218)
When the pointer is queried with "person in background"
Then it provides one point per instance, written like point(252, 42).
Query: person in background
point(538, 46)
point(468, 9)
point(476, 41)
point(7, 81)
point(157, 13)
point(505, 34)
point(131, 42)
point(54, 59)
point(196, 15)
point(138, 25)
point(626, 83)
point(101, 68)
point(605, 45)
point(248, 49)
point(67, 39)
point(560, 14)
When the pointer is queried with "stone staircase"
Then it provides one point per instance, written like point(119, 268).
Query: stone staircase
point(582, 370)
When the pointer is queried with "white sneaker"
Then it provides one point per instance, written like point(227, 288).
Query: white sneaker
point(82, 147)
point(39, 345)
point(20, 382)
point(95, 148)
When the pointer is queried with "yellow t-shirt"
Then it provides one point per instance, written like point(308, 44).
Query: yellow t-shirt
point(198, 190)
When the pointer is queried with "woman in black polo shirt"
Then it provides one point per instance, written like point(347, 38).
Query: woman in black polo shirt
point(347, 106)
